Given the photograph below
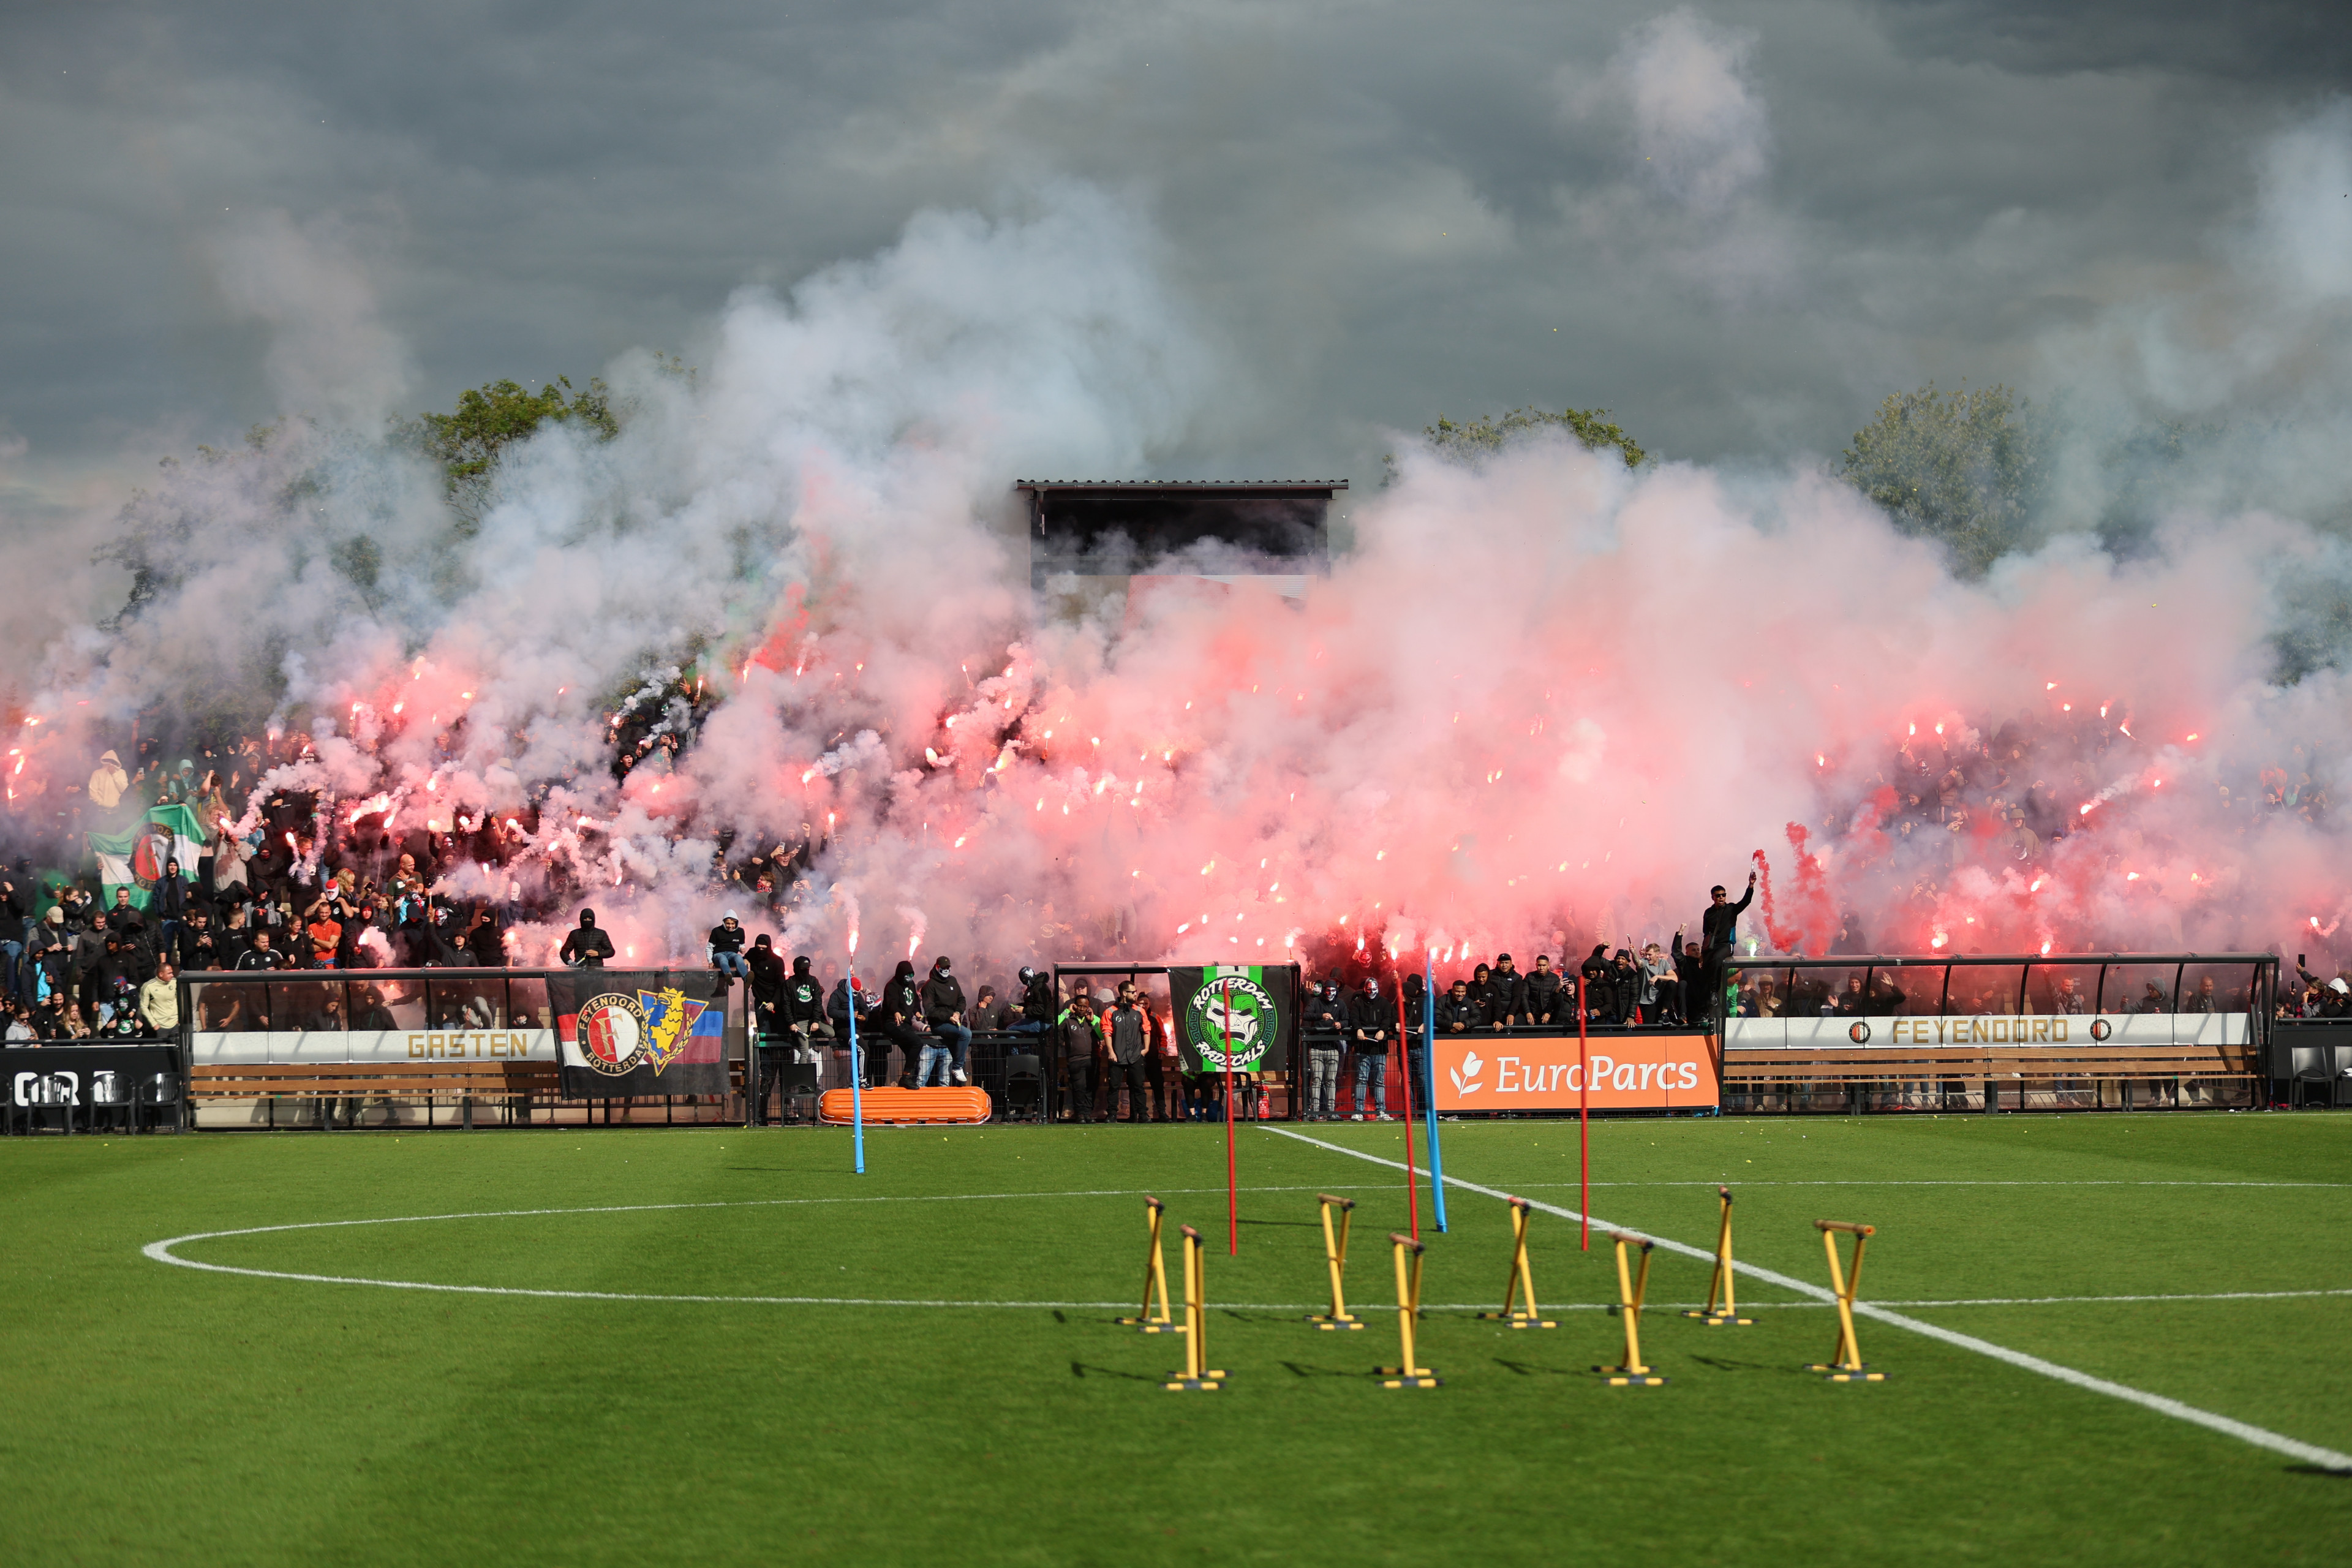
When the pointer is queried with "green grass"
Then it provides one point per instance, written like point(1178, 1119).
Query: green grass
point(164, 1415)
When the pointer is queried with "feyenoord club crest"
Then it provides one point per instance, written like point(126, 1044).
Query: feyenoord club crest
point(1859, 1034)
point(619, 1032)
point(611, 1033)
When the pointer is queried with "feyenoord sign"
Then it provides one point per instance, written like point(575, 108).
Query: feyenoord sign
point(1254, 1005)
point(623, 1033)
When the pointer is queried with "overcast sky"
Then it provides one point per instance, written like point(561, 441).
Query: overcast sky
point(1737, 224)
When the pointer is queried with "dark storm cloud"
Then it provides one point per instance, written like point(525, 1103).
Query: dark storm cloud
point(1736, 224)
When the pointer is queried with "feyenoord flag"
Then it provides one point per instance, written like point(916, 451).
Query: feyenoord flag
point(628, 1032)
point(1254, 1004)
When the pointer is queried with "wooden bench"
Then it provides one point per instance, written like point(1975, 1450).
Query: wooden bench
point(1758, 1071)
point(432, 1082)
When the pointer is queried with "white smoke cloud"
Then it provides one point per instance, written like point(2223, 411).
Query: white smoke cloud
point(1699, 129)
point(1546, 698)
point(330, 357)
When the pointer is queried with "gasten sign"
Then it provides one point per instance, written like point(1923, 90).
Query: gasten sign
point(1629, 1072)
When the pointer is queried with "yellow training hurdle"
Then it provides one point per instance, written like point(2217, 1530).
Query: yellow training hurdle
point(1408, 1372)
point(1196, 1373)
point(1519, 1284)
point(1845, 1363)
point(1720, 1308)
point(1630, 1288)
point(1155, 1277)
point(1335, 1255)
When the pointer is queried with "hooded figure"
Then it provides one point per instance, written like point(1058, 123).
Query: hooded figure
point(107, 781)
point(588, 946)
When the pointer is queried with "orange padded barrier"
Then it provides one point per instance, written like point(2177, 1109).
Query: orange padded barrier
point(961, 1107)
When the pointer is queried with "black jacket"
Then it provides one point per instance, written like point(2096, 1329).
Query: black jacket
point(942, 997)
point(1540, 996)
point(803, 1001)
point(1372, 1022)
point(1326, 1017)
point(1456, 1017)
point(902, 998)
point(1037, 1001)
point(587, 946)
point(1720, 927)
point(1502, 997)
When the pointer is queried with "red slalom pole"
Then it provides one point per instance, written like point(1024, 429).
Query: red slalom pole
point(1405, 1083)
point(1232, 1191)
point(1583, 1126)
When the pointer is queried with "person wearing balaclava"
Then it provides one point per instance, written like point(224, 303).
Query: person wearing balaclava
point(801, 1018)
point(1371, 1022)
point(900, 1016)
point(943, 1010)
point(589, 945)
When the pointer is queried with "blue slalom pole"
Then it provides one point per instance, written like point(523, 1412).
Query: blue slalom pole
point(857, 1083)
point(1429, 1087)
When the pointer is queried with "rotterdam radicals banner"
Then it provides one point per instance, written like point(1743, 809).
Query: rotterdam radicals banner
point(622, 1032)
point(1258, 1003)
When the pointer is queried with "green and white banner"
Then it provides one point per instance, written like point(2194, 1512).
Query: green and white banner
point(1253, 1005)
point(136, 860)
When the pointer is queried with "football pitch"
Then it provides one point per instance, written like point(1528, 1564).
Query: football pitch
point(2107, 1339)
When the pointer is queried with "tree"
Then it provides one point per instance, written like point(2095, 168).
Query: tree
point(1965, 468)
point(469, 442)
point(1484, 436)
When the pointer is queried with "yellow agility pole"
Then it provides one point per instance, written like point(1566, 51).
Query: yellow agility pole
point(1720, 1308)
point(1631, 1288)
point(1845, 1363)
point(1334, 1255)
point(1408, 1372)
point(1155, 1277)
point(1196, 1373)
point(1519, 1284)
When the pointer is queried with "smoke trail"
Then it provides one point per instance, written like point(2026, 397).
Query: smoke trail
point(1544, 701)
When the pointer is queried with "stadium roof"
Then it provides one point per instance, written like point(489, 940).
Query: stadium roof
point(1261, 486)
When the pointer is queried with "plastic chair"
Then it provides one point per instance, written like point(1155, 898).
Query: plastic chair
point(113, 1094)
point(160, 1093)
point(1025, 1088)
point(2309, 1065)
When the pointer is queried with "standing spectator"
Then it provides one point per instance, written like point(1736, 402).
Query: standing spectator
point(1416, 1002)
point(261, 956)
point(1369, 1025)
point(1719, 934)
point(159, 1002)
point(1126, 1032)
point(198, 947)
point(991, 1015)
point(1541, 997)
point(1690, 980)
point(1074, 1042)
point(169, 904)
point(484, 942)
point(1600, 985)
point(1458, 1011)
point(1325, 1029)
point(943, 1010)
point(587, 947)
point(1504, 985)
point(766, 988)
point(107, 783)
point(325, 933)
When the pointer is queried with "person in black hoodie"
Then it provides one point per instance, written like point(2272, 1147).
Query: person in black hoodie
point(801, 1016)
point(587, 947)
point(1458, 1011)
point(1600, 985)
point(766, 968)
point(1371, 1022)
point(944, 1011)
point(900, 1016)
point(1039, 1010)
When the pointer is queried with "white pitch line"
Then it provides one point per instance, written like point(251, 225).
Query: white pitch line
point(2293, 1447)
point(1915, 1182)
